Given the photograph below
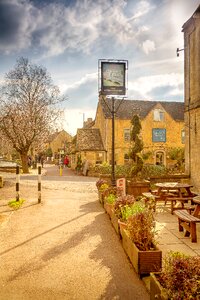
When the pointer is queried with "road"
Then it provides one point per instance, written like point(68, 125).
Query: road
point(64, 248)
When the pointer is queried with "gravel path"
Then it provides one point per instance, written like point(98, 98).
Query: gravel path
point(63, 248)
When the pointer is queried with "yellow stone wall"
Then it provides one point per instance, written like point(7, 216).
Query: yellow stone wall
point(192, 98)
point(59, 141)
point(173, 135)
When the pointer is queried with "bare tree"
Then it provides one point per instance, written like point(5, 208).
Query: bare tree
point(28, 107)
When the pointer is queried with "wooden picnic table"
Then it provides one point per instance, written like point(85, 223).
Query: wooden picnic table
point(175, 192)
point(182, 189)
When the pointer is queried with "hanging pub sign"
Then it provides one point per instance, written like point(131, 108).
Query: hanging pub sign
point(113, 77)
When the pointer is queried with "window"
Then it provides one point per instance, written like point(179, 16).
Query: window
point(126, 158)
point(159, 135)
point(183, 136)
point(126, 135)
point(158, 115)
point(99, 158)
point(160, 156)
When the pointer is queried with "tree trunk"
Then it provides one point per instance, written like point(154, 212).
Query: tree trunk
point(24, 159)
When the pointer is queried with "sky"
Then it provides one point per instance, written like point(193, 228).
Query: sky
point(68, 37)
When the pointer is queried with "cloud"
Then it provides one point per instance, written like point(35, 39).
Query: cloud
point(16, 25)
point(158, 87)
point(148, 46)
point(73, 118)
point(83, 92)
point(53, 28)
point(142, 8)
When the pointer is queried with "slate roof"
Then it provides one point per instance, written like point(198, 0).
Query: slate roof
point(195, 14)
point(89, 139)
point(54, 135)
point(142, 107)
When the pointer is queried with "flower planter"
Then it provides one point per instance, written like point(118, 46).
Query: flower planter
point(108, 208)
point(156, 290)
point(122, 225)
point(144, 262)
point(137, 188)
point(115, 223)
point(100, 197)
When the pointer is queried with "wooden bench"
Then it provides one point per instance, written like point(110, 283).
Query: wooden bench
point(187, 221)
point(173, 201)
point(148, 196)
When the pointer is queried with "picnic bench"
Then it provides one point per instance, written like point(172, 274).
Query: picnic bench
point(148, 196)
point(188, 221)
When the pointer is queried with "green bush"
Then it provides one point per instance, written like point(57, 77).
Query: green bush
point(110, 199)
point(129, 210)
point(15, 204)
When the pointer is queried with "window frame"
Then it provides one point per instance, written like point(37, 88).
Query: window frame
point(159, 131)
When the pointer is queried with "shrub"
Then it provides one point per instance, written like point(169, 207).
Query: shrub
point(112, 190)
point(141, 228)
point(16, 204)
point(122, 201)
point(129, 210)
point(100, 182)
point(180, 276)
point(103, 187)
point(110, 199)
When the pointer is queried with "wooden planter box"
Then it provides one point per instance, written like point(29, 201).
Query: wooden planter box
point(122, 226)
point(144, 262)
point(137, 188)
point(100, 197)
point(115, 223)
point(108, 208)
point(157, 292)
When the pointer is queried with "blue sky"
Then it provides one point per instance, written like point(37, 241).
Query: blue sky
point(68, 37)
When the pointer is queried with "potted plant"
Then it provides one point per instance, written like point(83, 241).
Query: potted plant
point(127, 211)
point(136, 185)
point(110, 195)
point(179, 278)
point(101, 185)
point(139, 242)
point(121, 201)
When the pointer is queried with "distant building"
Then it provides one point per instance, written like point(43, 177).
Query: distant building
point(162, 130)
point(60, 144)
point(191, 31)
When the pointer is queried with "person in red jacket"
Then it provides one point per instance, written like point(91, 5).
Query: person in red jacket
point(66, 161)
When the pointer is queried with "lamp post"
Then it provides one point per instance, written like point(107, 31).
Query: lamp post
point(113, 182)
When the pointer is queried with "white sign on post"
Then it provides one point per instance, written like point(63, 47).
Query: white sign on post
point(121, 184)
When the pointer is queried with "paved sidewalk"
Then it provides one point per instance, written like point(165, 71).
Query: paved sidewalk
point(63, 248)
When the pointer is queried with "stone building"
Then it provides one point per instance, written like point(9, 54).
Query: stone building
point(162, 128)
point(162, 131)
point(191, 31)
point(90, 146)
point(60, 144)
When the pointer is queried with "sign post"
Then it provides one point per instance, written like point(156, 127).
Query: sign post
point(113, 83)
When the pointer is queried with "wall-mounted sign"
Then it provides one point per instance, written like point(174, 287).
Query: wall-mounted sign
point(159, 135)
point(113, 77)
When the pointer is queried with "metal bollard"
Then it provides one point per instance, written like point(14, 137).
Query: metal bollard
point(39, 183)
point(61, 170)
point(17, 183)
